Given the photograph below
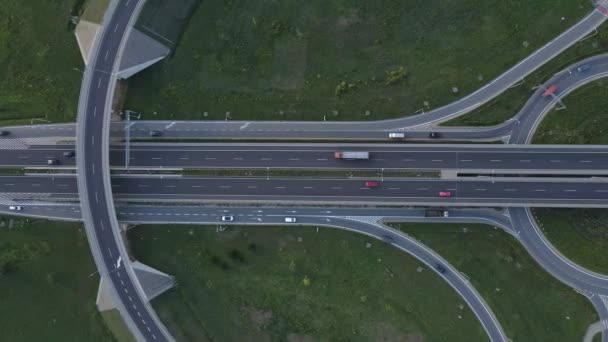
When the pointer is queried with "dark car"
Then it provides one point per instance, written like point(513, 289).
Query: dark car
point(156, 133)
point(69, 154)
point(388, 238)
point(440, 268)
point(434, 135)
point(583, 68)
point(4, 133)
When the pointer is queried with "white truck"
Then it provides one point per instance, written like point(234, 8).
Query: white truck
point(351, 155)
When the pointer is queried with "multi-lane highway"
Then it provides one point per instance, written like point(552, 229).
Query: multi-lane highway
point(517, 192)
point(554, 159)
point(93, 175)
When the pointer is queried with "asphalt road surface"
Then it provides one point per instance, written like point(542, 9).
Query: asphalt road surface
point(483, 192)
point(557, 159)
point(97, 207)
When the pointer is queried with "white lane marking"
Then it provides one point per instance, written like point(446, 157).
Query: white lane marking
point(393, 188)
point(210, 158)
point(480, 189)
point(308, 187)
point(570, 190)
point(495, 160)
point(110, 252)
point(252, 187)
point(99, 83)
point(157, 158)
point(122, 282)
point(266, 158)
point(422, 189)
point(408, 160)
point(23, 157)
point(555, 161)
point(524, 160)
point(93, 168)
point(170, 186)
point(130, 299)
point(510, 189)
point(184, 158)
point(294, 158)
point(225, 186)
point(96, 197)
point(540, 190)
point(336, 187)
point(102, 226)
point(107, 54)
point(124, 288)
point(585, 161)
point(138, 314)
point(279, 187)
point(466, 160)
point(9, 184)
point(322, 159)
point(93, 140)
point(237, 158)
point(115, 28)
point(601, 190)
point(437, 160)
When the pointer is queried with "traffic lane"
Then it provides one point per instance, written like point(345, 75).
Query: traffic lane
point(295, 187)
point(378, 160)
point(98, 202)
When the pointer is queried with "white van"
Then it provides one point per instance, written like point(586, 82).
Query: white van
point(396, 135)
point(290, 220)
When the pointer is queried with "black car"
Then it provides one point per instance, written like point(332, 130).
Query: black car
point(434, 135)
point(69, 154)
point(388, 238)
point(440, 268)
point(4, 133)
point(156, 133)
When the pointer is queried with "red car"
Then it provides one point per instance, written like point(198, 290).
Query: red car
point(371, 184)
point(445, 194)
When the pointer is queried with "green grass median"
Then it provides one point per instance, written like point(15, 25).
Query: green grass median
point(40, 64)
point(47, 292)
point(298, 284)
point(583, 121)
point(579, 234)
point(341, 60)
point(530, 304)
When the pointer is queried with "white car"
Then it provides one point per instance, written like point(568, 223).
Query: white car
point(15, 207)
point(290, 220)
point(227, 218)
point(396, 135)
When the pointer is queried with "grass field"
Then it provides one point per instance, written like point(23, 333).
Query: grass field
point(296, 284)
point(506, 105)
point(530, 304)
point(37, 57)
point(46, 293)
point(339, 59)
point(584, 121)
point(579, 234)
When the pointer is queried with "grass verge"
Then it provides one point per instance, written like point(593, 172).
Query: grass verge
point(355, 60)
point(579, 234)
point(39, 62)
point(46, 290)
point(584, 121)
point(297, 284)
point(117, 326)
point(509, 103)
point(530, 304)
